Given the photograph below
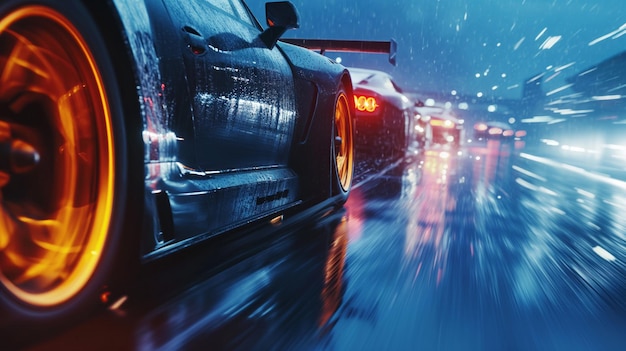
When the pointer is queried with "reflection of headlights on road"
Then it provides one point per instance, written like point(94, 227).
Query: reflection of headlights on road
point(444, 154)
point(616, 151)
point(578, 150)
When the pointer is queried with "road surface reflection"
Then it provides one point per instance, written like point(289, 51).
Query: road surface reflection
point(487, 247)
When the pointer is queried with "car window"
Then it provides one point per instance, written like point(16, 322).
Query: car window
point(233, 7)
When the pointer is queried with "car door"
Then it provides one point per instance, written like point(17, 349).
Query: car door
point(242, 92)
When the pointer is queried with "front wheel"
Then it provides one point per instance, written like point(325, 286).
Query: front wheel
point(63, 172)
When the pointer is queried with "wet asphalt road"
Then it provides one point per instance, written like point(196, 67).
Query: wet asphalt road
point(489, 248)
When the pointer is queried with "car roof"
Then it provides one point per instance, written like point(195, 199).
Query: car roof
point(373, 78)
point(363, 72)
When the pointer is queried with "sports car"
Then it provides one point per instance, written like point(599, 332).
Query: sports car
point(133, 129)
point(385, 124)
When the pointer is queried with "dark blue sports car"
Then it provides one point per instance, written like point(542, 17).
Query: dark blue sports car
point(133, 129)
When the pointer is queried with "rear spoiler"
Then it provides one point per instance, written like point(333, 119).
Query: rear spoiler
point(376, 47)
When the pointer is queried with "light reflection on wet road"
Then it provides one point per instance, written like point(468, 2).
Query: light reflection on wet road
point(486, 249)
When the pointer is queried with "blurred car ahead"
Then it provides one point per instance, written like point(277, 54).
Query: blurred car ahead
point(494, 130)
point(440, 126)
point(384, 115)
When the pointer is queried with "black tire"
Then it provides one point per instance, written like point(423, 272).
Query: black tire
point(61, 218)
point(342, 153)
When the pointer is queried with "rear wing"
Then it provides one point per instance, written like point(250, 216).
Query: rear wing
point(322, 45)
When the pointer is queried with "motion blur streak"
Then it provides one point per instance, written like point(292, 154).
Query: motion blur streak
point(486, 253)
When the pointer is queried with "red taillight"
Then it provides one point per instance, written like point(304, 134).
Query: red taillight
point(441, 123)
point(520, 133)
point(365, 103)
point(508, 133)
point(495, 131)
point(481, 127)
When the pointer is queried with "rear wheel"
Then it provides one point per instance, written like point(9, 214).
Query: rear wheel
point(343, 146)
point(63, 168)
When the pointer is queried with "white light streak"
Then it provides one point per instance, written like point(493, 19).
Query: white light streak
point(519, 43)
point(550, 42)
point(529, 173)
point(559, 120)
point(598, 177)
point(552, 76)
point(569, 111)
point(538, 119)
point(604, 254)
point(622, 86)
point(566, 86)
point(541, 34)
point(586, 193)
point(564, 66)
point(588, 71)
point(574, 148)
point(606, 97)
point(535, 78)
point(526, 184)
point(550, 142)
point(614, 34)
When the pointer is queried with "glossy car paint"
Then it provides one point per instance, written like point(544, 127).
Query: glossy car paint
point(390, 128)
point(227, 141)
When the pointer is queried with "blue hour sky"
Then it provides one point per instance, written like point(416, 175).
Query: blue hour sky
point(471, 46)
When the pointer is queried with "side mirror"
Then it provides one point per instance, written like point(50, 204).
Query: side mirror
point(280, 16)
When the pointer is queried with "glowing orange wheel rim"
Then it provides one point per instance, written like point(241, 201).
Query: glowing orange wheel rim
point(344, 144)
point(56, 190)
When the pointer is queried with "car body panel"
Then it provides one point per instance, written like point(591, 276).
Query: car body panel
point(228, 140)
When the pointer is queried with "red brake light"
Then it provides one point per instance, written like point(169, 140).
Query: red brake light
point(508, 133)
point(495, 131)
point(481, 127)
point(365, 103)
